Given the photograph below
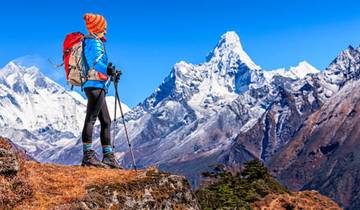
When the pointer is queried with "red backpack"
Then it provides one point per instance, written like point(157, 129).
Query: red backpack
point(73, 57)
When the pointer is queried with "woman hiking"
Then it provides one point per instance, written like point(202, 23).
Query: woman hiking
point(95, 89)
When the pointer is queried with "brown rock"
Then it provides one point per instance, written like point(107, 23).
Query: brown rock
point(8, 163)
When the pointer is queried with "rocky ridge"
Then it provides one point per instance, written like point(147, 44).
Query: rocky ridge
point(26, 184)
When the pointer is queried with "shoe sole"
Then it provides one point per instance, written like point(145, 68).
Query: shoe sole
point(113, 167)
point(95, 166)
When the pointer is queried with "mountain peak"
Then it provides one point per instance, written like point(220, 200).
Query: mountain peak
point(344, 67)
point(304, 68)
point(230, 37)
point(298, 72)
point(229, 46)
point(13, 67)
point(231, 41)
point(350, 51)
point(305, 64)
point(26, 77)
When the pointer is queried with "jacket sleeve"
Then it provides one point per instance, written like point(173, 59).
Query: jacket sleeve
point(92, 50)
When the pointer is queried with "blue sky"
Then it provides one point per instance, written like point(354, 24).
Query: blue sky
point(146, 38)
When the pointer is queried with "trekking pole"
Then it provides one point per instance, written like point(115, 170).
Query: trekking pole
point(114, 133)
point(123, 119)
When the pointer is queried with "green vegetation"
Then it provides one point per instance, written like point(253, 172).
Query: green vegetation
point(238, 191)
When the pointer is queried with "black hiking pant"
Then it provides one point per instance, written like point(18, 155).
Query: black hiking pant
point(96, 108)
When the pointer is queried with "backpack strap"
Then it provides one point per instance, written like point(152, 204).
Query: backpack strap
point(98, 58)
point(93, 36)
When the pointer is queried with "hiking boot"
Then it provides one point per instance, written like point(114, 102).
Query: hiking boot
point(90, 159)
point(110, 160)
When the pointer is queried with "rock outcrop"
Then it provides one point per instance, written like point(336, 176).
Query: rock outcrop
point(8, 163)
point(26, 184)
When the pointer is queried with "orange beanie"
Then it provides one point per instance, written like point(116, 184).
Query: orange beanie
point(95, 23)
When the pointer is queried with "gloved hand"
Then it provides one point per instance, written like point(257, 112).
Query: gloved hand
point(118, 73)
point(110, 70)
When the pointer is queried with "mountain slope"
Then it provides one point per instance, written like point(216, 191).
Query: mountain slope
point(323, 153)
point(29, 100)
point(259, 122)
point(294, 103)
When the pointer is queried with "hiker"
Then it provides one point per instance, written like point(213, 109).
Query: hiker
point(95, 88)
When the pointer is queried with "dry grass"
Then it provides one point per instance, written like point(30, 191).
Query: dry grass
point(42, 186)
point(305, 200)
point(55, 184)
point(13, 190)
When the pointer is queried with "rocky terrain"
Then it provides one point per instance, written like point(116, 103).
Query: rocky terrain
point(26, 184)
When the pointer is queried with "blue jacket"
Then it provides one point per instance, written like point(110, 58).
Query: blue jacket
point(93, 48)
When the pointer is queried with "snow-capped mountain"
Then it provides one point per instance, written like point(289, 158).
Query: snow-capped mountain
point(37, 113)
point(110, 101)
point(298, 72)
point(324, 152)
point(30, 101)
point(225, 110)
point(171, 122)
point(230, 46)
point(200, 112)
point(228, 72)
